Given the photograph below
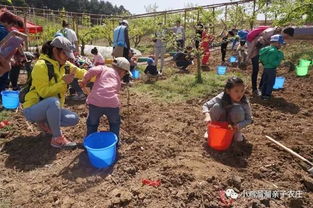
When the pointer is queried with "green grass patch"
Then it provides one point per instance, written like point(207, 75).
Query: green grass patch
point(182, 87)
point(299, 50)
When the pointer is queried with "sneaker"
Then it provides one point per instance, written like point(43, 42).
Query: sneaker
point(79, 97)
point(256, 93)
point(61, 141)
point(206, 135)
point(44, 127)
point(265, 97)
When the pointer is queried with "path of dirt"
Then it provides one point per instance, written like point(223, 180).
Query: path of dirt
point(164, 142)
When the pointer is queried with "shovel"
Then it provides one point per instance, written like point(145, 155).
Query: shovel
point(310, 170)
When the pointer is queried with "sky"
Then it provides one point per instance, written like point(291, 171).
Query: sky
point(138, 6)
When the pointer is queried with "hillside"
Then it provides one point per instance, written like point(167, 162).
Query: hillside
point(92, 6)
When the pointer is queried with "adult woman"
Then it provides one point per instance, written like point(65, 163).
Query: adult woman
point(43, 103)
point(260, 41)
point(7, 20)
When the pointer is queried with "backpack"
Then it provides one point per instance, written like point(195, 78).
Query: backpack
point(243, 34)
point(254, 33)
point(28, 84)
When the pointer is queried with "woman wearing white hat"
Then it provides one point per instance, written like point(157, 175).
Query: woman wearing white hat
point(121, 40)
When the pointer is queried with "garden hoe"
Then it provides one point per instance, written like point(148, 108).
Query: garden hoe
point(310, 170)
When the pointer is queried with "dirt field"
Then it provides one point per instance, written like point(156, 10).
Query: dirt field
point(164, 141)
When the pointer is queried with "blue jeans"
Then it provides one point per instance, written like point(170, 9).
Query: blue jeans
point(49, 110)
point(95, 113)
point(269, 76)
point(234, 115)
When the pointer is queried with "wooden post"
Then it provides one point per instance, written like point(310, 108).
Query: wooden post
point(213, 11)
point(185, 21)
point(253, 15)
point(26, 31)
point(266, 13)
point(75, 25)
point(73, 22)
point(225, 13)
point(198, 16)
point(237, 11)
point(164, 18)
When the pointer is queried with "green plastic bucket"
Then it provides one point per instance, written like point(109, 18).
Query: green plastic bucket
point(302, 70)
point(304, 62)
point(142, 59)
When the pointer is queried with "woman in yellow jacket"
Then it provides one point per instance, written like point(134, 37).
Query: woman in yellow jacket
point(44, 101)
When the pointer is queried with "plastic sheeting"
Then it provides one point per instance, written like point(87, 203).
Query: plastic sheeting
point(105, 51)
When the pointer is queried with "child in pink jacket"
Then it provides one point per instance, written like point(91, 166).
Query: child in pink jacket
point(103, 99)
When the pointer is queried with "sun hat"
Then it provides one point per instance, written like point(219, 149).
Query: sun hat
point(65, 44)
point(125, 22)
point(278, 38)
point(58, 34)
point(132, 51)
point(122, 63)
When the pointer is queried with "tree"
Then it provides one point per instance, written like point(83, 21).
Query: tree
point(6, 2)
point(90, 6)
point(141, 28)
point(19, 3)
point(291, 12)
point(151, 8)
point(88, 34)
point(108, 27)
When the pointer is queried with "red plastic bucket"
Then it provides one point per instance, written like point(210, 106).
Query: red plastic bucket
point(220, 135)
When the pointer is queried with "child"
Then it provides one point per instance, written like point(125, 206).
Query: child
point(133, 59)
point(224, 44)
point(271, 58)
point(97, 57)
point(160, 45)
point(103, 99)
point(206, 42)
point(231, 106)
point(151, 70)
point(183, 60)
point(242, 54)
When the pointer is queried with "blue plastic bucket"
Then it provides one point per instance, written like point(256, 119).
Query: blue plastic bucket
point(279, 83)
point(221, 70)
point(10, 99)
point(136, 74)
point(101, 148)
point(233, 59)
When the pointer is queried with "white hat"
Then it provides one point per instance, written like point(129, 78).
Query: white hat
point(125, 22)
point(278, 38)
point(122, 63)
